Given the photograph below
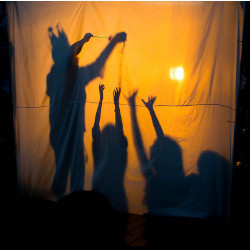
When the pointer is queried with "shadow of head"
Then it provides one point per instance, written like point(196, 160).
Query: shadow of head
point(109, 135)
point(166, 156)
point(114, 146)
point(210, 162)
point(61, 50)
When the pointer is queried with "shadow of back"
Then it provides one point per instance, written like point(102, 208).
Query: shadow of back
point(110, 158)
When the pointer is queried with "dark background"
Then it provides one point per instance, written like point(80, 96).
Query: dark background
point(240, 195)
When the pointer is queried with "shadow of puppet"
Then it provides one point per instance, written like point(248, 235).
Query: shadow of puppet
point(110, 156)
point(66, 84)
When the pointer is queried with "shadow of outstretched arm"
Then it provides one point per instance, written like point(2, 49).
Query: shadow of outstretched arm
point(77, 47)
point(137, 135)
point(149, 104)
point(118, 118)
point(96, 128)
point(94, 70)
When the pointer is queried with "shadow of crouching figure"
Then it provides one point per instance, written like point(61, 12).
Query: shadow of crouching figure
point(110, 156)
point(165, 180)
point(66, 84)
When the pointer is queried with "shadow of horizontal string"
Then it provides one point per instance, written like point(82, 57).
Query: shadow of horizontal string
point(137, 105)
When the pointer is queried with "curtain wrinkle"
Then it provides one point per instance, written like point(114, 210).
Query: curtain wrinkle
point(56, 102)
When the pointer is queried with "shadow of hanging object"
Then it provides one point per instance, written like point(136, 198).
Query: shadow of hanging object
point(166, 186)
point(110, 158)
point(66, 84)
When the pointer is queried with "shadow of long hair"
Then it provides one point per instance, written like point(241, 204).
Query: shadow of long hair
point(214, 179)
point(165, 179)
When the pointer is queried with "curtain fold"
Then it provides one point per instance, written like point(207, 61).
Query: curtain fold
point(169, 154)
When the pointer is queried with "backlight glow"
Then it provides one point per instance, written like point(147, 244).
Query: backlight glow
point(177, 73)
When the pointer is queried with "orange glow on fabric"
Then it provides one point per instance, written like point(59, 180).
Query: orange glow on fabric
point(121, 62)
point(188, 66)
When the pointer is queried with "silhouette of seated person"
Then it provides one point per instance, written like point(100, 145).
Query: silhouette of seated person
point(66, 84)
point(210, 191)
point(165, 179)
point(110, 156)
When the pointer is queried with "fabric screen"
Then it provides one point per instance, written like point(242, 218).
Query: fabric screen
point(173, 158)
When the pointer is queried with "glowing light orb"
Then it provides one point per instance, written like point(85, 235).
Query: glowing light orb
point(177, 73)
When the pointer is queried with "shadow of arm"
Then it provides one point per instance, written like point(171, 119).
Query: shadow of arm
point(77, 47)
point(118, 118)
point(96, 128)
point(156, 124)
point(137, 135)
point(94, 70)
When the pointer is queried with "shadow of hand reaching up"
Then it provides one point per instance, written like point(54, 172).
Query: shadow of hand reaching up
point(101, 89)
point(116, 95)
point(131, 97)
point(149, 104)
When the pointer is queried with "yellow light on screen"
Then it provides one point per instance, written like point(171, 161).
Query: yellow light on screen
point(177, 73)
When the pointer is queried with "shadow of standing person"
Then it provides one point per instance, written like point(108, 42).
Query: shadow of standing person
point(66, 84)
